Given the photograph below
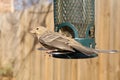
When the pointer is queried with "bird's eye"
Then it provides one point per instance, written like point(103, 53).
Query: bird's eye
point(37, 28)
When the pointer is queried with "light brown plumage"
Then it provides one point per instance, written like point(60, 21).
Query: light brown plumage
point(53, 40)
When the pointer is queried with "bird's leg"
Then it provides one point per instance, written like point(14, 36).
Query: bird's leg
point(42, 48)
point(50, 51)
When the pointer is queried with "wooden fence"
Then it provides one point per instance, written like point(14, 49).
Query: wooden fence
point(108, 37)
point(19, 49)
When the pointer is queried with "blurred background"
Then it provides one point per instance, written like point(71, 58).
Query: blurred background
point(20, 59)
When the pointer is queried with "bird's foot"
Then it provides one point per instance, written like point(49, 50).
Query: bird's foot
point(50, 51)
point(42, 49)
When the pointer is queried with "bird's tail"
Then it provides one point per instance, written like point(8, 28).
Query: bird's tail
point(88, 51)
point(106, 51)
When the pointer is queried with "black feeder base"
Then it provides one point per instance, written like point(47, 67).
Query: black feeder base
point(72, 55)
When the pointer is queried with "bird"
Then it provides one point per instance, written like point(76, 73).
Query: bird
point(54, 41)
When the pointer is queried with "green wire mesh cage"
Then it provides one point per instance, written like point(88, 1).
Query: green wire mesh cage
point(80, 13)
point(75, 18)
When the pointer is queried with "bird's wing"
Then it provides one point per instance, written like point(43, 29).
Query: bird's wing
point(88, 51)
point(79, 47)
point(55, 40)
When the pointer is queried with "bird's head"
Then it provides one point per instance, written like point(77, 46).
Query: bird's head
point(38, 30)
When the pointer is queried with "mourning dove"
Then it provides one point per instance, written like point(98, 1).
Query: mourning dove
point(56, 41)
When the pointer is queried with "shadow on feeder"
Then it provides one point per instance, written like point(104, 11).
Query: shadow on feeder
point(71, 55)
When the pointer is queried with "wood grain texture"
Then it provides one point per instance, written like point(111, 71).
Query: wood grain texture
point(32, 64)
point(107, 37)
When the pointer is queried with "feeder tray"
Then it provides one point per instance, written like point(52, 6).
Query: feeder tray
point(71, 55)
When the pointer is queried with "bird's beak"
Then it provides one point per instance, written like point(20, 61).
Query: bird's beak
point(32, 31)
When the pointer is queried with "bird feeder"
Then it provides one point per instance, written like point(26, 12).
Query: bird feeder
point(75, 18)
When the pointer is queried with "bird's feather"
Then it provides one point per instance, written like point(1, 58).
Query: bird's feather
point(55, 40)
